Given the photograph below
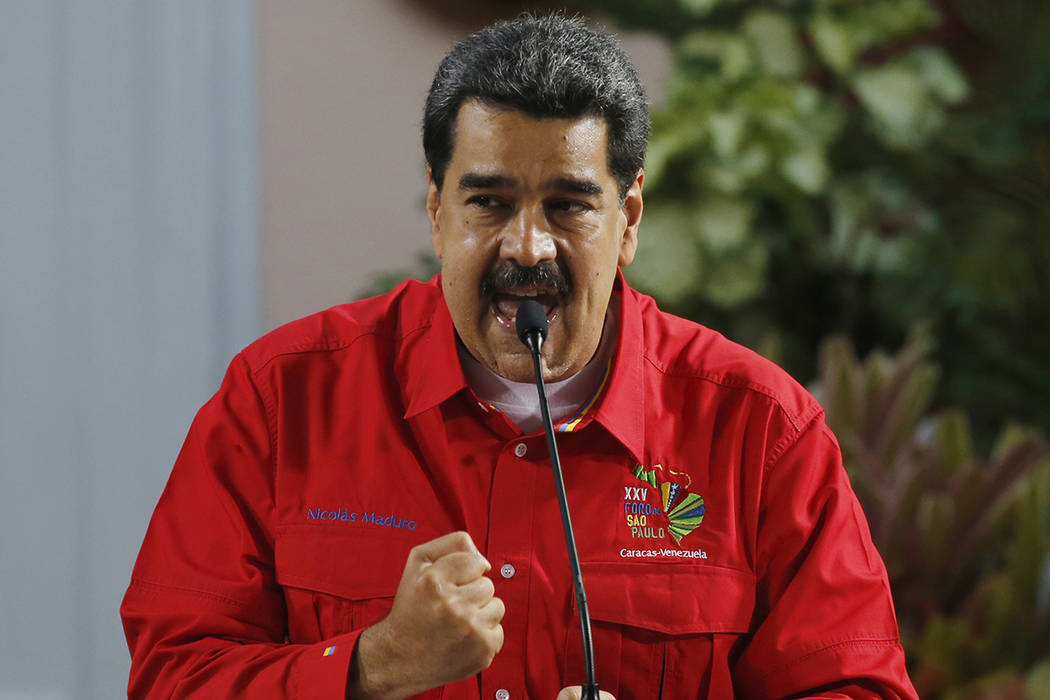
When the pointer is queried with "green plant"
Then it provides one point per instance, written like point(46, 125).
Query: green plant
point(856, 167)
point(966, 539)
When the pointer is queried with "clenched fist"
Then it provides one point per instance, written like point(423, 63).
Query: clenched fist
point(444, 625)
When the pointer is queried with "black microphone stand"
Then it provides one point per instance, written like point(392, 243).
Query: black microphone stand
point(531, 324)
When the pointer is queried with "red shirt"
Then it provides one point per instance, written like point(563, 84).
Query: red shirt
point(723, 551)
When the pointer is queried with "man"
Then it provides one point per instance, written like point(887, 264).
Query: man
point(365, 508)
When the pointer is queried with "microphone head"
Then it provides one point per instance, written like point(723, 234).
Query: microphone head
point(531, 321)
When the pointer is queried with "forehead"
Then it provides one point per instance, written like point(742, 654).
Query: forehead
point(495, 140)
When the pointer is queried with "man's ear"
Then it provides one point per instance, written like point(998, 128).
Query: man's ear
point(632, 212)
point(433, 208)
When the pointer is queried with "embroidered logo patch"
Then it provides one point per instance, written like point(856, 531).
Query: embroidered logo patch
point(684, 510)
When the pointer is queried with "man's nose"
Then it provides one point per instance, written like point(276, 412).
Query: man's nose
point(527, 240)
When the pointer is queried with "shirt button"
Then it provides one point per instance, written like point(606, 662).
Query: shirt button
point(507, 570)
point(502, 694)
point(520, 449)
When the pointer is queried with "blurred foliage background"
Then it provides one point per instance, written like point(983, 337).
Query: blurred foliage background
point(835, 179)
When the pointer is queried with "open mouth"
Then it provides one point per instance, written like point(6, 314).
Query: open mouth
point(505, 305)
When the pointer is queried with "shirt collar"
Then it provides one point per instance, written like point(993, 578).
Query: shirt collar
point(429, 369)
point(621, 410)
point(428, 366)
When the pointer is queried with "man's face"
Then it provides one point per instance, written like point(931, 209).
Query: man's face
point(529, 209)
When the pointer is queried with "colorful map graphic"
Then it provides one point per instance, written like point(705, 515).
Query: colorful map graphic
point(683, 509)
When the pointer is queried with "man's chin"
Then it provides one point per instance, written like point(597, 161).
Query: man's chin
point(517, 366)
point(508, 357)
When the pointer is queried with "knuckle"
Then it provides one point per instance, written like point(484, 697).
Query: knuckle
point(460, 561)
point(417, 553)
point(431, 581)
point(453, 616)
point(445, 610)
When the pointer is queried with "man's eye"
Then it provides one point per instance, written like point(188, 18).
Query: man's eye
point(484, 201)
point(569, 206)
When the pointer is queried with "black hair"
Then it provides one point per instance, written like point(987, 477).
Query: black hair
point(547, 66)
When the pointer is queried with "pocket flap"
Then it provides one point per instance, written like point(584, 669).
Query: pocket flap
point(674, 599)
point(351, 564)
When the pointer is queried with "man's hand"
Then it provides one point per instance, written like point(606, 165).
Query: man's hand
point(575, 692)
point(444, 625)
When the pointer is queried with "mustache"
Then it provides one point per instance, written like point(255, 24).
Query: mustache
point(509, 275)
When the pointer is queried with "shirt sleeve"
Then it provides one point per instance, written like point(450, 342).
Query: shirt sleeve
point(828, 627)
point(203, 614)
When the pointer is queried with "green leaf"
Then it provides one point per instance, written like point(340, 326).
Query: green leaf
point(833, 42)
point(875, 22)
point(704, 43)
point(726, 129)
point(897, 99)
point(951, 439)
point(668, 143)
point(736, 59)
point(906, 397)
point(836, 388)
point(738, 277)
point(668, 261)
point(807, 169)
point(876, 223)
point(700, 8)
point(773, 38)
point(723, 223)
point(940, 75)
point(726, 49)
point(1037, 683)
point(935, 518)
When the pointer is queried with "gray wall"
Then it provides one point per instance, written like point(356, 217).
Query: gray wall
point(341, 89)
point(128, 277)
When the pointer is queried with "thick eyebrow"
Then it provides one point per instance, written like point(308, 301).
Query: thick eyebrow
point(572, 184)
point(477, 181)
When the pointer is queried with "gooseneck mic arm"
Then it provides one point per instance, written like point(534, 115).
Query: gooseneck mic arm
point(531, 324)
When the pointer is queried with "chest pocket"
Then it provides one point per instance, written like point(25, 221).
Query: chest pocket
point(662, 629)
point(338, 581)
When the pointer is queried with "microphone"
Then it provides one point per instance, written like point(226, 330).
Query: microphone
point(531, 324)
